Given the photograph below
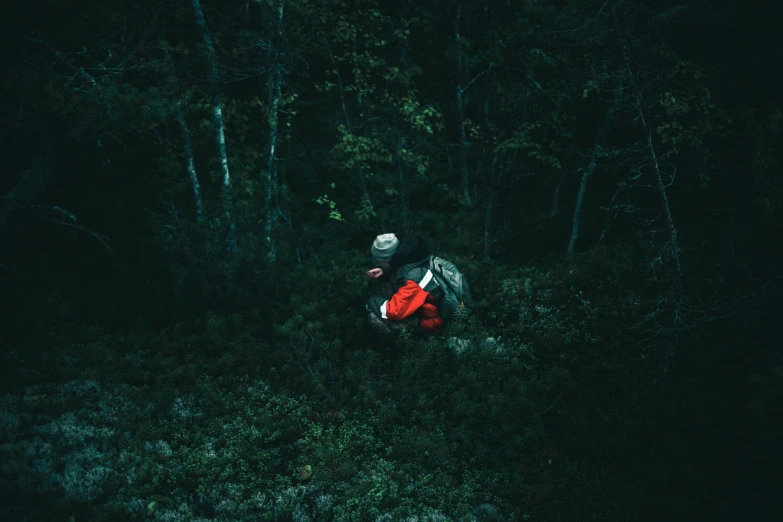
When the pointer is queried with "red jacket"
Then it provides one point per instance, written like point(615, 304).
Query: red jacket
point(412, 297)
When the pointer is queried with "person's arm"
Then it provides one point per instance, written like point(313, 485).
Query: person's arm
point(404, 303)
point(382, 272)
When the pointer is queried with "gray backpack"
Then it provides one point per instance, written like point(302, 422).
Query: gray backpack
point(456, 300)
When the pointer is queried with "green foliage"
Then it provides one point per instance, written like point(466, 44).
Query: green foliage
point(333, 212)
point(318, 421)
point(692, 117)
point(112, 110)
point(528, 138)
point(360, 150)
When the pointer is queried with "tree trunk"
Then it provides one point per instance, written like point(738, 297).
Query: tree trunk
point(217, 119)
point(31, 184)
point(274, 86)
point(496, 180)
point(509, 194)
point(674, 249)
point(611, 207)
point(564, 174)
point(271, 164)
point(463, 142)
point(403, 190)
point(356, 77)
point(225, 192)
point(463, 149)
point(588, 172)
point(366, 201)
point(556, 196)
point(671, 250)
point(190, 164)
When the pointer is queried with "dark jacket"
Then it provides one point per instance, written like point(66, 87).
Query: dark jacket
point(416, 288)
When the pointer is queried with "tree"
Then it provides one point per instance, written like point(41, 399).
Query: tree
point(383, 125)
point(190, 162)
point(217, 118)
point(104, 93)
point(675, 105)
point(271, 206)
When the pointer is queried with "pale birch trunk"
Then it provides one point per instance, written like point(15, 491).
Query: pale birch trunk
point(217, 119)
point(274, 85)
point(271, 164)
point(190, 164)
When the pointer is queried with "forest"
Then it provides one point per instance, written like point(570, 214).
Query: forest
point(190, 194)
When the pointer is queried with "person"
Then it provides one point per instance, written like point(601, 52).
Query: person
point(405, 292)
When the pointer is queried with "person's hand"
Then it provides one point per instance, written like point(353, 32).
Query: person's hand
point(375, 273)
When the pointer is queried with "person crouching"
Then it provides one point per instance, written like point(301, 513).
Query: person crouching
point(405, 291)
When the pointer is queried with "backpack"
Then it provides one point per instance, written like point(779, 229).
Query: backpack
point(456, 300)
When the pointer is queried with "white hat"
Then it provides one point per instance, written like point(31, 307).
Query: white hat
point(384, 247)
